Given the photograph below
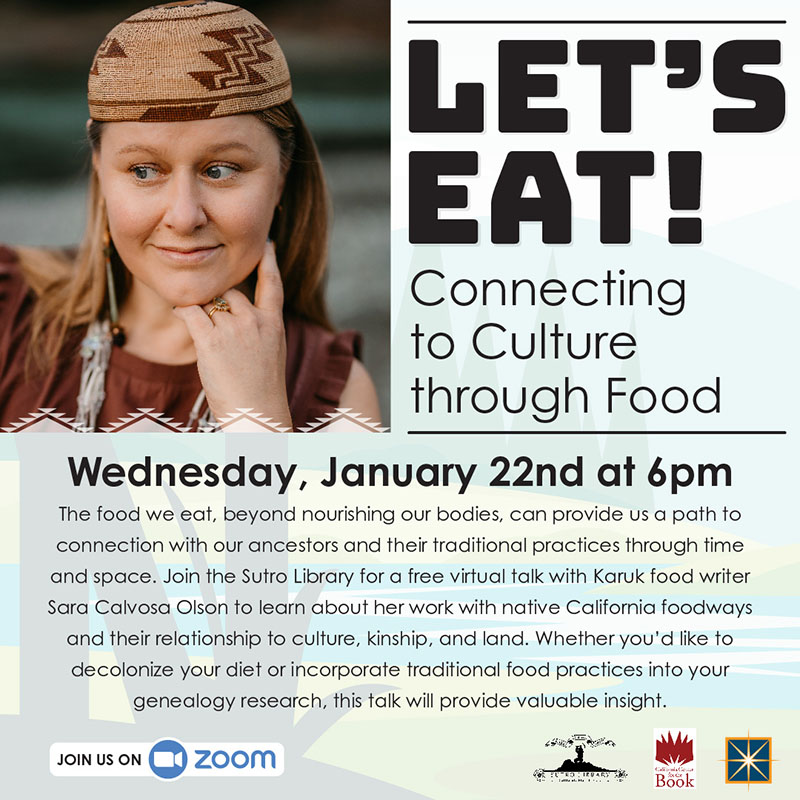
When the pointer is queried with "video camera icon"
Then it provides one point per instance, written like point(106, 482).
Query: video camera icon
point(168, 759)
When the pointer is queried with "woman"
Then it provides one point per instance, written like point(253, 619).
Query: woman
point(197, 288)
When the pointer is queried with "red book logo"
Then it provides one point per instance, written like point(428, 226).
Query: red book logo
point(674, 752)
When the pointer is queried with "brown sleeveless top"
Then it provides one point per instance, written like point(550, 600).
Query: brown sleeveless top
point(317, 366)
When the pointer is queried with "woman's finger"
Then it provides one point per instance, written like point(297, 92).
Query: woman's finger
point(196, 320)
point(269, 286)
point(237, 301)
point(224, 309)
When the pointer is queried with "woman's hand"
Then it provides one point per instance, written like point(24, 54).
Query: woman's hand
point(241, 354)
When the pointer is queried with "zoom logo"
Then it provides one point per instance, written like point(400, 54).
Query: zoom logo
point(167, 759)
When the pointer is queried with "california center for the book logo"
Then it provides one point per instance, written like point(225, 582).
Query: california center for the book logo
point(581, 769)
point(748, 759)
point(674, 764)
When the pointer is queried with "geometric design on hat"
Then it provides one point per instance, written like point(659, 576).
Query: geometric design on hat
point(235, 60)
point(180, 113)
point(183, 3)
point(111, 48)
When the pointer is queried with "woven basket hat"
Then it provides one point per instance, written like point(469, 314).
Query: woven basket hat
point(187, 61)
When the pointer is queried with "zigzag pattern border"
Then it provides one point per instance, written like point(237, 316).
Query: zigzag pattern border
point(340, 420)
point(347, 416)
point(43, 416)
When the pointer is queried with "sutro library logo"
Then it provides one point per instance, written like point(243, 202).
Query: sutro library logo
point(674, 765)
point(748, 759)
point(581, 769)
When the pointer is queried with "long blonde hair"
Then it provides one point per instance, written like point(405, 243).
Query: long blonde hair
point(72, 292)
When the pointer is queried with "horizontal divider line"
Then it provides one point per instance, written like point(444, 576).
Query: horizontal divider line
point(597, 22)
point(604, 433)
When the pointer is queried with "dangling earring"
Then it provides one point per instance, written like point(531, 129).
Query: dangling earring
point(117, 333)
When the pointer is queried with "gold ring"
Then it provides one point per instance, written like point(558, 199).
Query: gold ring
point(220, 304)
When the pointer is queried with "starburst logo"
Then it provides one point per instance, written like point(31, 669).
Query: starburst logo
point(748, 759)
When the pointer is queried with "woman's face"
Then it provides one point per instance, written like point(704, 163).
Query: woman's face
point(190, 204)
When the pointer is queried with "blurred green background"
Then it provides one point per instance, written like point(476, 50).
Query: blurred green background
point(338, 54)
